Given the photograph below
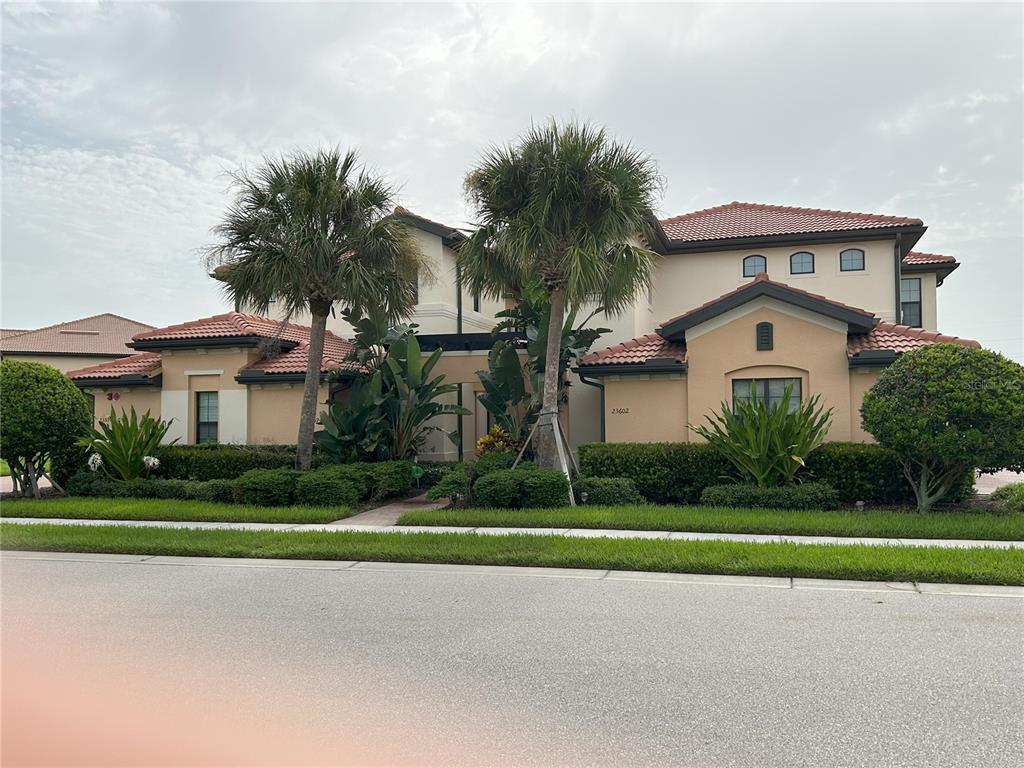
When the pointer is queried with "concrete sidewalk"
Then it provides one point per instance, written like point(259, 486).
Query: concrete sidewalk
point(587, 533)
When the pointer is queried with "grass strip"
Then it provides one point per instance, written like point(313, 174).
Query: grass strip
point(886, 524)
point(167, 509)
point(841, 561)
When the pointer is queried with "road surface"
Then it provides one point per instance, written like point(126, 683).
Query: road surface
point(203, 663)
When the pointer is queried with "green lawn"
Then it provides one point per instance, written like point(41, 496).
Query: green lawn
point(715, 520)
point(929, 564)
point(163, 509)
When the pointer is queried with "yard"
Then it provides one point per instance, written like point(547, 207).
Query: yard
point(886, 524)
point(168, 509)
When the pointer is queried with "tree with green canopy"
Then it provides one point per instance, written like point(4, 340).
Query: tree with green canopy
point(310, 231)
point(566, 208)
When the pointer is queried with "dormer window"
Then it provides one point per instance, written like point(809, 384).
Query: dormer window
point(754, 265)
point(801, 263)
point(851, 260)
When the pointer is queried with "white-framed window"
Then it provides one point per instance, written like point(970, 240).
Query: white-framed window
point(206, 417)
point(754, 265)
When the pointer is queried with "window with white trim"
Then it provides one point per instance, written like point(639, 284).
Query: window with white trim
point(206, 417)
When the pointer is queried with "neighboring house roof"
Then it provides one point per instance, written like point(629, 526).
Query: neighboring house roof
point(142, 364)
point(856, 318)
point(229, 328)
point(901, 338)
point(6, 333)
point(754, 220)
point(336, 357)
point(640, 351)
point(449, 235)
point(105, 334)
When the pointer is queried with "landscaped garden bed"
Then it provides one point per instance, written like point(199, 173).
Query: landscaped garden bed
point(170, 510)
point(859, 562)
point(885, 524)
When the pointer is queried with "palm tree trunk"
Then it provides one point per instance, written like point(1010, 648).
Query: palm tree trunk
point(546, 448)
point(307, 418)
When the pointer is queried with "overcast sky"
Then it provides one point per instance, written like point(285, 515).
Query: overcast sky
point(119, 122)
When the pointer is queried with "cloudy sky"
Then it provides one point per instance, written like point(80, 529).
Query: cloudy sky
point(120, 120)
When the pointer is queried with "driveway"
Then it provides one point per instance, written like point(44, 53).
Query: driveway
point(238, 662)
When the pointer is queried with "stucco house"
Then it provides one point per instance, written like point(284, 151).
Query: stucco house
point(73, 344)
point(752, 293)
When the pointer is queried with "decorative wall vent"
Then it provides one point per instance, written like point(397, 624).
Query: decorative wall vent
point(764, 336)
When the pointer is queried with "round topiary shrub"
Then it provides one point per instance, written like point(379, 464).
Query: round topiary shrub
point(43, 415)
point(499, 489)
point(268, 487)
point(541, 488)
point(946, 409)
point(317, 489)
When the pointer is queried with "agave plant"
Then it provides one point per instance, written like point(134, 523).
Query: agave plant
point(125, 444)
point(767, 443)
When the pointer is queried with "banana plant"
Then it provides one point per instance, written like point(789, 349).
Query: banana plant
point(767, 443)
point(506, 395)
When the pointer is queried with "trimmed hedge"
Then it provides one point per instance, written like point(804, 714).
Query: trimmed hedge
point(522, 488)
point(608, 491)
point(678, 473)
point(453, 484)
point(321, 489)
point(268, 487)
point(225, 462)
point(802, 496)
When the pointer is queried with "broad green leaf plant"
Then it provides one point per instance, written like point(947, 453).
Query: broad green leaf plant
point(767, 443)
point(125, 444)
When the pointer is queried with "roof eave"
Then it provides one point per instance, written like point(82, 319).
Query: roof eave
point(127, 380)
point(910, 235)
point(631, 369)
point(942, 270)
point(873, 358)
point(208, 342)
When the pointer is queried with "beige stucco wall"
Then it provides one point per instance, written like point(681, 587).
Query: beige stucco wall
point(861, 380)
point(62, 363)
point(929, 300)
point(143, 399)
point(687, 280)
point(806, 346)
point(646, 408)
point(273, 412)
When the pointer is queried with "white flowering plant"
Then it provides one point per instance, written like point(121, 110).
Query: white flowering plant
point(124, 444)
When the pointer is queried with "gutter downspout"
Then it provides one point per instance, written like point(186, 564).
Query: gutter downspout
point(600, 386)
point(458, 299)
point(899, 275)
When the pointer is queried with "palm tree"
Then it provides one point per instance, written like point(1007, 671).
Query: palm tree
point(566, 207)
point(309, 231)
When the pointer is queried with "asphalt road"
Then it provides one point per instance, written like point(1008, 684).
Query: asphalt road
point(423, 665)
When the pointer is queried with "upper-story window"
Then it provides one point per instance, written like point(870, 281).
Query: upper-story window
point(754, 265)
point(910, 301)
point(801, 263)
point(851, 260)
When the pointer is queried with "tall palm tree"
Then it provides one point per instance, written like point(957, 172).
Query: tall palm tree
point(309, 231)
point(568, 207)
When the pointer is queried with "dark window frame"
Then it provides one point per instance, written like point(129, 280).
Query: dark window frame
point(863, 260)
point(763, 387)
point(203, 435)
point(915, 307)
point(803, 271)
point(756, 272)
point(476, 301)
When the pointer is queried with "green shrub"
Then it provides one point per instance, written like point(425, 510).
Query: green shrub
point(126, 442)
point(220, 491)
point(87, 484)
point(1009, 498)
point(454, 484)
point(433, 471)
point(225, 462)
point(803, 496)
point(356, 474)
point(322, 489)
point(608, 491)
point(389, 479)
point(500, 489)
point(492, 462)
point(542, 488)
point(664, 473)
point(268, 487)
point(44, 414)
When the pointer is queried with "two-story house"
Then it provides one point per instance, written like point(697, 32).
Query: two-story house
point(743, 295)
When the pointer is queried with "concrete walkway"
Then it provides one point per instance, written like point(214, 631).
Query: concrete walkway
point(389, 513)
point(584, 533)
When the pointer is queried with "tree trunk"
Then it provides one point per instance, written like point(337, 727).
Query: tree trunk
point(31, 477)
point(545, 446)
point(307, 418)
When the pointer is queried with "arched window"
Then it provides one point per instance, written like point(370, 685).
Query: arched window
point(754, 265)
point(801, 263)
point(851, 260)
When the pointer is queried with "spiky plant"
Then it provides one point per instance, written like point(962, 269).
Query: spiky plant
point(311, 231)
point(567, 207)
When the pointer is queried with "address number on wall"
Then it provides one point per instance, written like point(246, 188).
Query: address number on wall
point(620, 410)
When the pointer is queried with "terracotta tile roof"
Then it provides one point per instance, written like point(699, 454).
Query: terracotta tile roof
point(762, 278)
point(900, 338)
point(916, 257)
point(143, 364)
point(227, 325)
point(336, 353)
point(637, 351)
point(105, 334)
point(737, 219)
point(6, 333)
